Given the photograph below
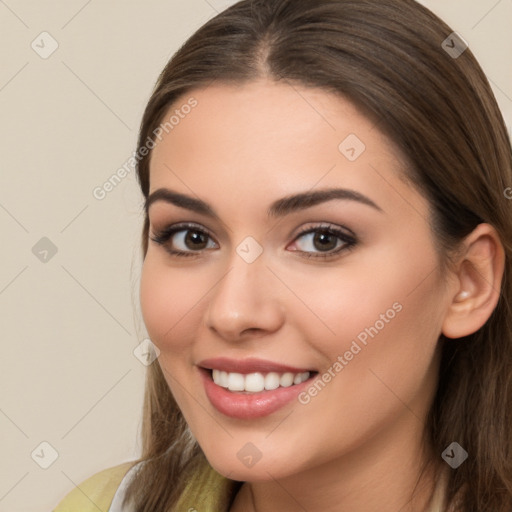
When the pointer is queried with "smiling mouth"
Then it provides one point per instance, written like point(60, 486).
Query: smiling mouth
point(257, 382)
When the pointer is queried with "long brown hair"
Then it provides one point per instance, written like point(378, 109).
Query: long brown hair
point(386, 56)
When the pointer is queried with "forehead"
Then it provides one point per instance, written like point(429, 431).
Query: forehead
point(270, 139)
point(264, 116)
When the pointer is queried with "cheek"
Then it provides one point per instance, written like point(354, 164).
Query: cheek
point(380, 312)
point(385, 371)
point(387, 326)
point(169, 302)
point(368, 289)
point(344, 303)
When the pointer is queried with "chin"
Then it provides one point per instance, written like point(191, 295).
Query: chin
point(249, 464)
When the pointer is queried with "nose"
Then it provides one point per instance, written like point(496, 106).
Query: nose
point(245, 302)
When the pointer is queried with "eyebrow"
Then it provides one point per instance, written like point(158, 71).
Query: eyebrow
point(278, 208)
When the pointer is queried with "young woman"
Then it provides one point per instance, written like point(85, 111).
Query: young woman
point(327, 257)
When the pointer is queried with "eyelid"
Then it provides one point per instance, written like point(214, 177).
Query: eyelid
point(171, 229)
point(327, 226)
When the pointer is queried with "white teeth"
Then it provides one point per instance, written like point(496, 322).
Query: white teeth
point(271, 381)
point(223, 379)
point(254, 382)
point(257, 382)
point(236, 382)
point(286, 380)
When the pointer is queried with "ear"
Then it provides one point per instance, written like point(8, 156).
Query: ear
point(478, 273)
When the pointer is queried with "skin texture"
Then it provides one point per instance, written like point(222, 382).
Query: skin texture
point(357, 444)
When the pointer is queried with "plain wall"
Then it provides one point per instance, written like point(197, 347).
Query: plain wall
point(68, 123)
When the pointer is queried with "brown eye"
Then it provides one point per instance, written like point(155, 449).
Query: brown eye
point(184, 240)
point(194, 240)
point(323, 241)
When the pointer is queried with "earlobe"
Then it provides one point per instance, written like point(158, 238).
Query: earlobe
point(479, 275)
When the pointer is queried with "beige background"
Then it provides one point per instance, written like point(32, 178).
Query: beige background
point(68, 122)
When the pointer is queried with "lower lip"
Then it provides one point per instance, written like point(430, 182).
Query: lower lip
point(246, 406)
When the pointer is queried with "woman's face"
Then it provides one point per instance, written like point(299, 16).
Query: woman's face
point(345, 286)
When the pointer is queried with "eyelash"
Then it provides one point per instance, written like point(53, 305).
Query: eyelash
point(163, 236)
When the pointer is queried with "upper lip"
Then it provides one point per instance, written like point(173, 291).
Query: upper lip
point(248, 365)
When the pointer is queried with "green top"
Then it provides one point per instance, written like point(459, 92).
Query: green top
point(207, 491)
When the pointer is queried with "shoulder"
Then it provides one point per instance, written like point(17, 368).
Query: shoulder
point(96, 492)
